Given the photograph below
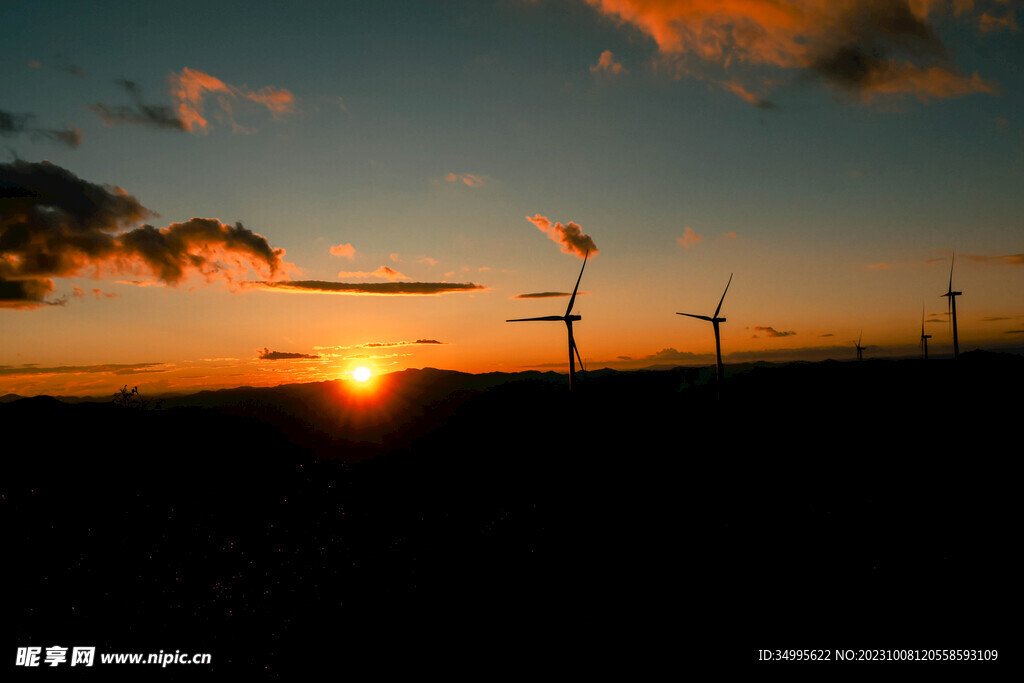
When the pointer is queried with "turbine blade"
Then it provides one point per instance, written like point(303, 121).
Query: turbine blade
point(702, 317)
point(577, 350)
point(526, 320)
point(572, 299)
point(723, 296)
point(951, 262)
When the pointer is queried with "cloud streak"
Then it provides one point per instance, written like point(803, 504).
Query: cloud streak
point(16, 124)
point(110, 368)
point(542, 295)
point(418, 342)
point(571, 236)
point(266, 354)
point(138, 113)
point(373, 288)
point(772, 332)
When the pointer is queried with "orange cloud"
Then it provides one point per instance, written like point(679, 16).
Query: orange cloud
point(869, 47)
point(54, 224)
point(467, 179)
point(344, 251)
point(383, 272)
point(935, 82)
point(988, 23)
point(689, 238)
point(278, 100)
point(737, 89)
point(570, 236)
point(606, 64)
point(190, 88)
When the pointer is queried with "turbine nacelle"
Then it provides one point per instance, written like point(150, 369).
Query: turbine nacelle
point(951, 296)
point(703, 317)
point(569, 318)
point(715, 320)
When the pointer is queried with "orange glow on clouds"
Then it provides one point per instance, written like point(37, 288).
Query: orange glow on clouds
point(848, 43)
point(190, 87)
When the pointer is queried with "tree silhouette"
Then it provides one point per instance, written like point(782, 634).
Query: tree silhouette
point(133, 399)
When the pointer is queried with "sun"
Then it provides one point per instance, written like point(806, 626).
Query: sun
point(361, 374)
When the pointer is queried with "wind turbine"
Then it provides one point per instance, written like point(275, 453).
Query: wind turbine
point(860, 349)
point(924, 337)
point(952, 308)
point(568, 319)
point(715, 320)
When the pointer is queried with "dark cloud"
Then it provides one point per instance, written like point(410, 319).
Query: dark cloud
point(16, 124)
point(542, 295)
point(1014, 332)
point(868, 36)
point(672, 354)
point(385, 288)
point(138, 113)
point(54, 224)
point(267, 354)
point(829, 334)
point(69, 68)
point(772, 332)
point(994, 318)
point(200, 244)
point(27, 294)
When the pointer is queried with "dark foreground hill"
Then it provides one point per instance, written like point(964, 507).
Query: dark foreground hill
point(449, 519)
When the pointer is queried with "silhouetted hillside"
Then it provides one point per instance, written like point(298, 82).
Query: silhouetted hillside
point(816, 505)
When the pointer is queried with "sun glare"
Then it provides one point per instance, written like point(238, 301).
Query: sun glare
point(361, 374)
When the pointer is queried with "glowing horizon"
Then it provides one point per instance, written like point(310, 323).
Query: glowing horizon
point(429, 188)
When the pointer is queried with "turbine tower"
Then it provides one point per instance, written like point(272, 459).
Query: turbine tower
point(952, 308)
point(568, 320)
point(860, 349)
point(924, 337)
point(715, 320)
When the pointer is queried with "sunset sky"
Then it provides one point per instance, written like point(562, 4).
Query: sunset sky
point(336, 184)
